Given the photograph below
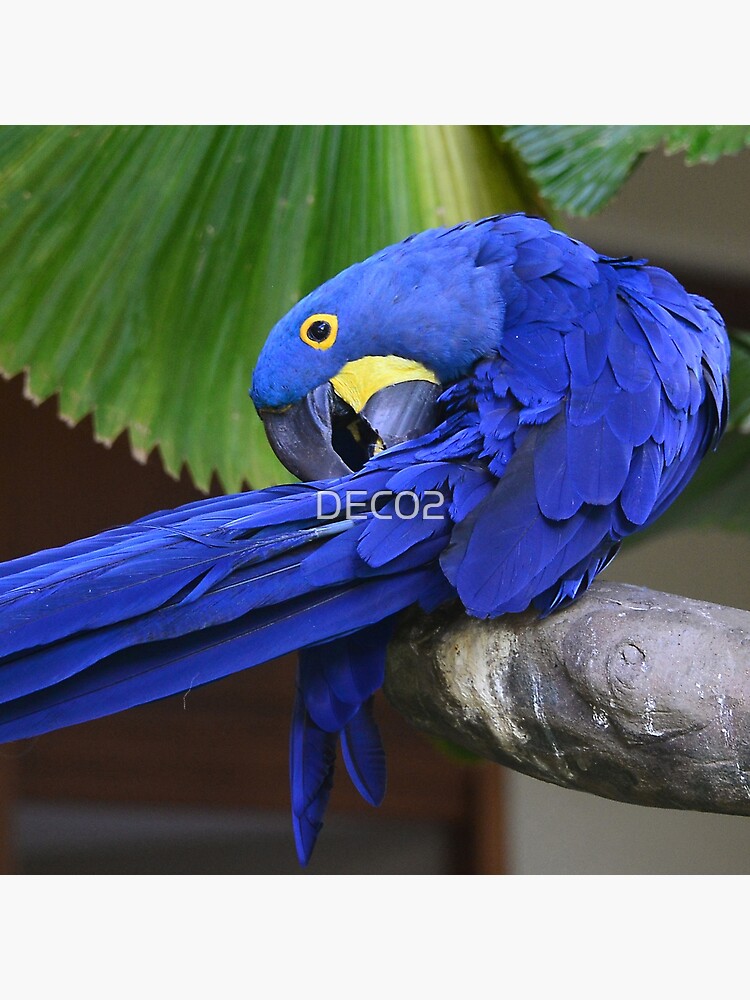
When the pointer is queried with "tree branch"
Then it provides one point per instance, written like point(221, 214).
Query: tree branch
point(628, 693)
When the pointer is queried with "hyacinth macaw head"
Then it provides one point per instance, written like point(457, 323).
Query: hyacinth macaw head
point(358, 364)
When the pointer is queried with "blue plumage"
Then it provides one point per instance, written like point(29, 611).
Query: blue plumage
point(580, 392)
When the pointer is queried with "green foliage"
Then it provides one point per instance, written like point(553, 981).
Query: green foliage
point(718, 493)
point(142, 267)
point(739, 391)
point(578, 168)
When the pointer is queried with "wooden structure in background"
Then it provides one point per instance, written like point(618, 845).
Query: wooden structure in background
point(223, 745)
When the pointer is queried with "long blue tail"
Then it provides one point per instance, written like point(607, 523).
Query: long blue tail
point(184, 597)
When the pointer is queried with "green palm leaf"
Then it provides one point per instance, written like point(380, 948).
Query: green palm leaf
point(142, 267)
point(578, 168)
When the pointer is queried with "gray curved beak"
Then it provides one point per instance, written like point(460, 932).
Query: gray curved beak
point(322, 437)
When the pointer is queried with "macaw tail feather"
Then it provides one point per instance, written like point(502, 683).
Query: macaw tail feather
point(184, 597)
point(336, 683)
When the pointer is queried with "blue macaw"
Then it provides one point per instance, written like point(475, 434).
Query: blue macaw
point(537, 402)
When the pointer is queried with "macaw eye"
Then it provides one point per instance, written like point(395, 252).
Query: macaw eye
point(319, 331)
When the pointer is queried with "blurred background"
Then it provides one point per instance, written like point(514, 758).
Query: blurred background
point(197, 783)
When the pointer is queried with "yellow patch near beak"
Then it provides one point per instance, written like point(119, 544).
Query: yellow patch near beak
point(359, 380)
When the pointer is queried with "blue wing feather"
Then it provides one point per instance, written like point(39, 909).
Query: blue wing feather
point(616, 365)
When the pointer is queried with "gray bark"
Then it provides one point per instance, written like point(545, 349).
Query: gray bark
point(628, 693)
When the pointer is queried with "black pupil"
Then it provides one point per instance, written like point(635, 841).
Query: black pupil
point(319, 330)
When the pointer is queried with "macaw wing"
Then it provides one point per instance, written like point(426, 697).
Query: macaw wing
point(593, 426)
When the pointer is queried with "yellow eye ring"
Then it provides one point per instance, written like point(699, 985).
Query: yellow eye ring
point(319, 331)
